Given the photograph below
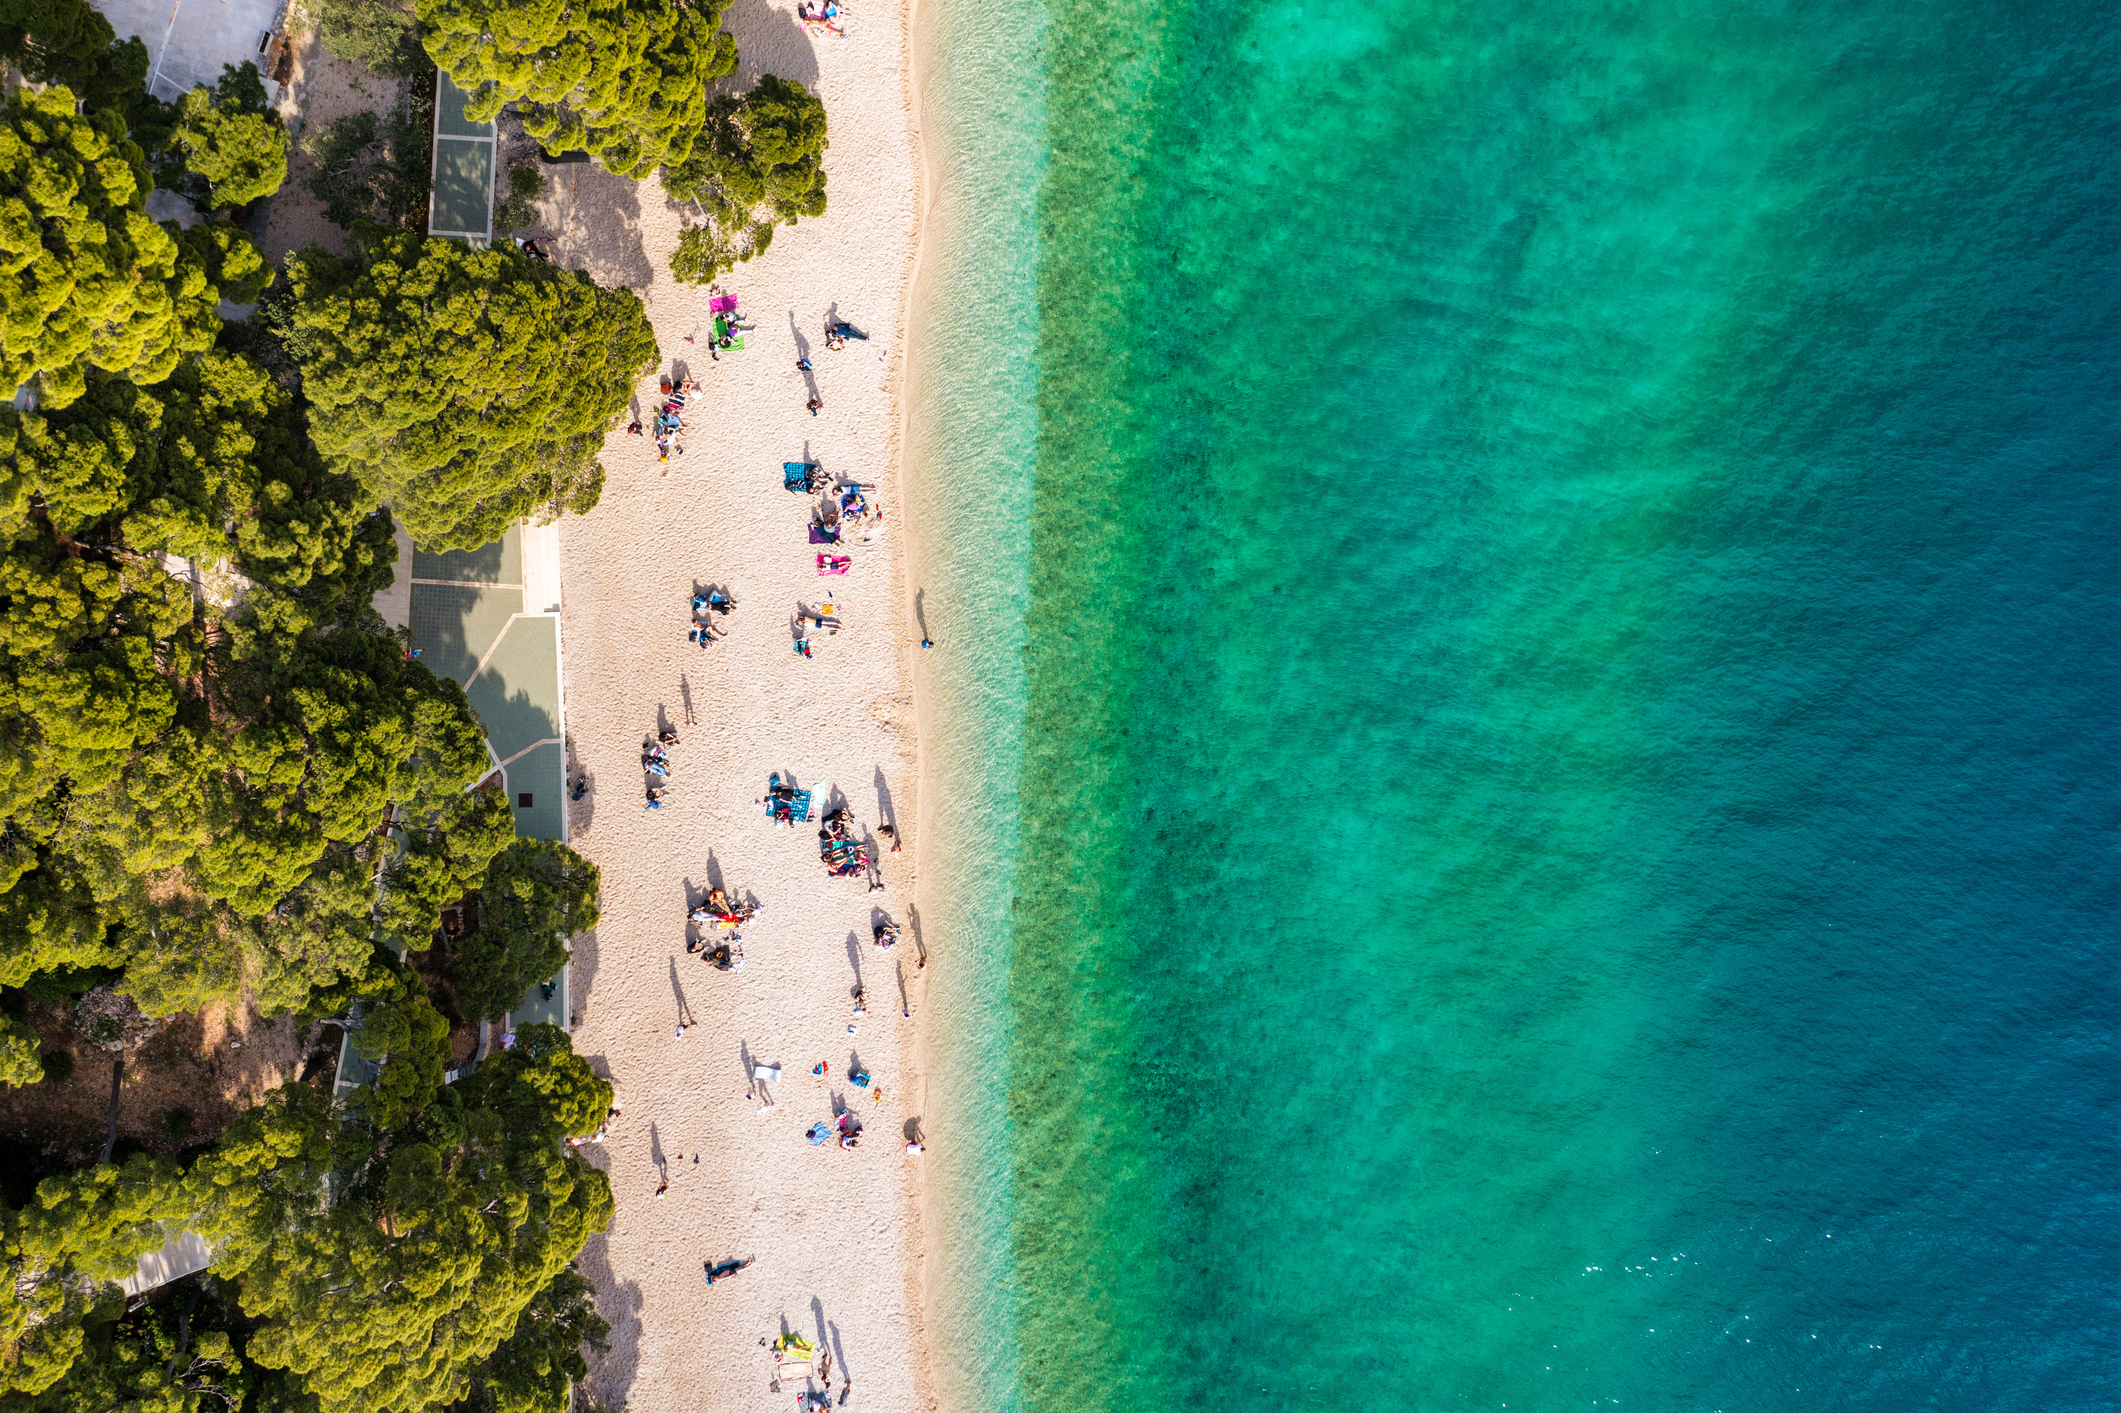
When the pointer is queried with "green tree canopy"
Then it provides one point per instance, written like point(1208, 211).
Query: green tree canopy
point(232, 142)
point(86, 279)
point(20, 1062)
point(444, 855)
point(378, 34)
point(466, 388)
point(758, 164)
point(404, 1031)
point(533, 1368)
point(187, 788)
point(390, 1259)
point(83, 1230)
point(69, 42)
point(623, 79)
point(538, 894)
point(165, 1358)
point(437, 1236)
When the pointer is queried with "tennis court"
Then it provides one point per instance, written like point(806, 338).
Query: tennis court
point(460, 203)
point(469, 622)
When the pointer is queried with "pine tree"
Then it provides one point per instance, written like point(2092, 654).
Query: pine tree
point(436, 1238)
point(232, 143)
point(378, 34)
point(536, 897)
point(172, 1357)
point(444, 856)
point(19, 1061)
point(402, 1029)
point(758, 164)
point(86, 279)
point(533, 1370)
point(84, 1229)
point(68, 42)
point(465, 388)
point(623, 79)
point(237, 756)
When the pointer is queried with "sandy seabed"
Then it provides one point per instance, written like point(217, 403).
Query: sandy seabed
point(834, 1235)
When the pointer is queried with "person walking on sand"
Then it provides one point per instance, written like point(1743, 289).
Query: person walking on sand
point(815, 404)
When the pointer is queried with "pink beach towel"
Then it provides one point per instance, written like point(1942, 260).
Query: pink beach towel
point(832, 564)
point(723, 304)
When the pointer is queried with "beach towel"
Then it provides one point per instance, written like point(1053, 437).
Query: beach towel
point(722, 304)
point(797, 809)
point(795, 475)
point(832, 564)
point(823, 534)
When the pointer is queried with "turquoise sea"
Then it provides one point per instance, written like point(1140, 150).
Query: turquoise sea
point(1526, 705)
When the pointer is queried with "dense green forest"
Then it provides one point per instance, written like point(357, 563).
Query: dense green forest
point(224, 780)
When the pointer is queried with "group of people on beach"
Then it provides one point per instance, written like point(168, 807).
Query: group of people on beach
point(845, 514)
point(655, 764)
point(821, 18)
point(706, 607)
point(839, 845)
point(723, 913)
point(669, 418)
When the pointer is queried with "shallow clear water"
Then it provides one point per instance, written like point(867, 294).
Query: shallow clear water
point(1563, 826)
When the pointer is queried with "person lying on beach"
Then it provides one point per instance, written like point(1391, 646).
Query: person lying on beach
point(668, 738)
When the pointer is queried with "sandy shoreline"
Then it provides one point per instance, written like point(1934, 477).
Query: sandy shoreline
point(836, 1236)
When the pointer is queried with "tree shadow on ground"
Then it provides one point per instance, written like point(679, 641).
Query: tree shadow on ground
point(611, 1374)
point(600, 226)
